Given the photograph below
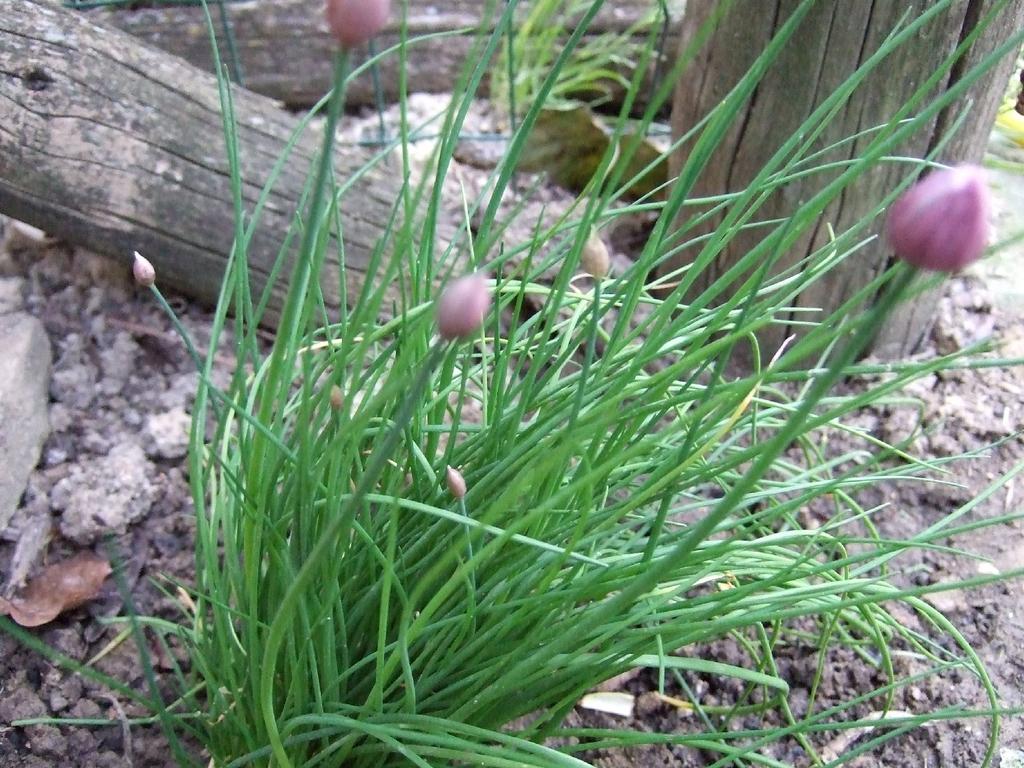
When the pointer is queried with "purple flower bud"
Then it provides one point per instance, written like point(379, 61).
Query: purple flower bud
point(143, 271)
point(463, 306)
point(353, 22)
point(941, 223)
point(455, 481)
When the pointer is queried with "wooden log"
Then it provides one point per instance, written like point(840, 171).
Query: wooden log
point(284, 50)
point(117, 146)
point(832, 41)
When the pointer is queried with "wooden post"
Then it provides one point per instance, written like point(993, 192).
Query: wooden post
point(832, 41)
point(117, 146)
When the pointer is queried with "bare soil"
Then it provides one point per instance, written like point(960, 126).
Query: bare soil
point(117, 366)
point(963, 411)
point(121, 378)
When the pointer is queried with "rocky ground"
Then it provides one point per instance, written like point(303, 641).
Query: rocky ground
point(95, 391)
point(110, 417)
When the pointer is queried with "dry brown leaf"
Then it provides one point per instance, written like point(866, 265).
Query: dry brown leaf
point(58, 588)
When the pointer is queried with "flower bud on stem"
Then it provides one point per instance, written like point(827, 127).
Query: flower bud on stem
point(455, 481)
point(462, 307)
point(941, 223)
point(143, 271)
point(354, 22)
point(594, 258)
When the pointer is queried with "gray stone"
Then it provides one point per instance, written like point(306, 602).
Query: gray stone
point(19, 702)
point(949, 602)
point(180, 391)
point(24, 421)
point(74, 375)
point(75, 385)
point(32, 528)
point(12, 297)
point(105, 496)
point(166, 434)
point(117, 362)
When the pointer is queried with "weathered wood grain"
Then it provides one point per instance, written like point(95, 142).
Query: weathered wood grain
point(834, 39)
point(284, 49)
point(117, 146)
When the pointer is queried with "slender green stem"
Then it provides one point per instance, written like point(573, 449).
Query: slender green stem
point(327, 541)
point(289, 331)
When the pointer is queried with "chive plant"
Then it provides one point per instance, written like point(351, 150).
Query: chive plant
point(350, 608)
point(422, 548)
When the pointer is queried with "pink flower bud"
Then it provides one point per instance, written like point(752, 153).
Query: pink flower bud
point(463, 306)
point(455, 481)
point(941, 223)
point(353, 22)
point(143, 271)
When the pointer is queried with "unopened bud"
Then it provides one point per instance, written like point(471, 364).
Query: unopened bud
point(594, 260)
point(354, 22)
point(143, 270)
point(455, 481)
point(463, 306)
point(336, 398)
point(941, 223)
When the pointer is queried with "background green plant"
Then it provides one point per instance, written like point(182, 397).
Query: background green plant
point(594, 70)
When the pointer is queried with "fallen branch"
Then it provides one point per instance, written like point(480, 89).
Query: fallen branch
point(283, 48)
point(117, 146)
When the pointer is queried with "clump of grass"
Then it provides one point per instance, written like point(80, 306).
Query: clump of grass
point(350, 610)
point(627, 499)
